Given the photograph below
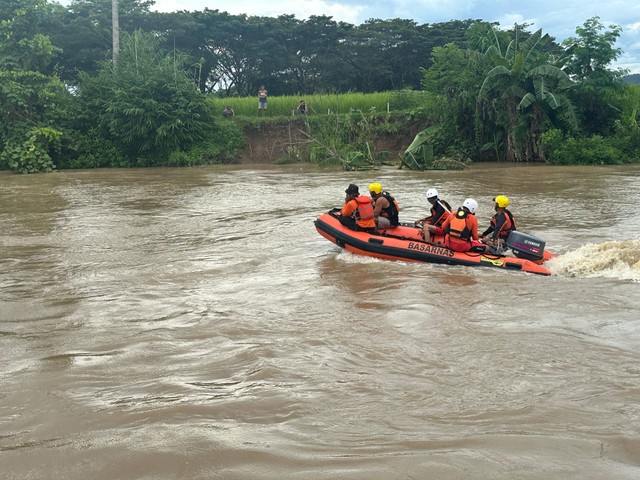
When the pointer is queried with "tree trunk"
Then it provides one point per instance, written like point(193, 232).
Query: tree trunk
point(512, 143)
point(115, 31)
point(534, 151)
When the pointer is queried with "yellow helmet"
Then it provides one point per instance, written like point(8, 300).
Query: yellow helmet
point(502, 201)
point(375, 188)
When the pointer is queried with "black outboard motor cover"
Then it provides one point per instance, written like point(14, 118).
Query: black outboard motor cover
point(526, 246)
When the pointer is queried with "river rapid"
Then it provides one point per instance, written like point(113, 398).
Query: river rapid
point(192, 324)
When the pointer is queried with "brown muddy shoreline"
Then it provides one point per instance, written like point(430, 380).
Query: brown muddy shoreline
point(268, 142)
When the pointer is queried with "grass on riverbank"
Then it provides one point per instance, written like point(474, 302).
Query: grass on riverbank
point(383, 102)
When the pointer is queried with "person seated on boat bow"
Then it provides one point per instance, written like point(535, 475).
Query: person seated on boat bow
point(357, 211)
point(386, 208)
point(461, 228)
point(440, 211)
point(502, 224)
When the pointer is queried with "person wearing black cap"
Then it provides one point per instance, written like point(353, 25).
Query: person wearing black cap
point(352, 190)
point(357, 211)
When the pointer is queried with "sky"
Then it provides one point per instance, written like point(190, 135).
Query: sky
point(558, 18)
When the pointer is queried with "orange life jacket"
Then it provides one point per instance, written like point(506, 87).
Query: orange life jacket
point(364, 213)
point(458, 227)
point(507, 227)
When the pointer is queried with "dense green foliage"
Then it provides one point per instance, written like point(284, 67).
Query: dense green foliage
point(347, 139)
point(521, 87)
point(146, 104)
point(522, 91)
point(234, 54)
point(488, 93)
point(31, 101)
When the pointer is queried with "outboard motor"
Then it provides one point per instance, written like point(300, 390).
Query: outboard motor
point(526, 246)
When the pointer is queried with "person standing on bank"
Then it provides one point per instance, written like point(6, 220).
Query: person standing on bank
point(461, 228)
point(262, 99)
point(502, 223)
point(386, 211)
point(357, 211)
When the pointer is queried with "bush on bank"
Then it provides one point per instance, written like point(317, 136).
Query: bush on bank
point(621, 148)
point(344, 139)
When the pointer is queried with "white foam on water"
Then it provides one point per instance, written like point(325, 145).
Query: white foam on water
point(349, 257)
point(618, 259)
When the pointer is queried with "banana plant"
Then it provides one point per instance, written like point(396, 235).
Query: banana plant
point(524, 93)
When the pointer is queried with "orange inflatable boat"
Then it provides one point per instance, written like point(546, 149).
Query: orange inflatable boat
point(405, 243)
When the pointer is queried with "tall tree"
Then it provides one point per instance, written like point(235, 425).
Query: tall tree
point(454, 79)
point(85, 32)
point(307, 53)
point(31, 98)
point(591, 54)
point(192, 33)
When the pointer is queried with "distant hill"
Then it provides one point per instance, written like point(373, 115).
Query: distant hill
point(634, 78)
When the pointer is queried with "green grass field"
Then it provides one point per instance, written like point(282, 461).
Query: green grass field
point(323, 104)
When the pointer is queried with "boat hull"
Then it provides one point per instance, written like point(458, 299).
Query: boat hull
point(404, 243)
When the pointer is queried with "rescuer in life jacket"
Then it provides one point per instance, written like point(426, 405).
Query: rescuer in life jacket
point(502, 224)
point(357, 211)
point(440, 210)
point(461, 228)
point(386, 208)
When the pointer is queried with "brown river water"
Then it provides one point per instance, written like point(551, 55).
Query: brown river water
point(192, 324)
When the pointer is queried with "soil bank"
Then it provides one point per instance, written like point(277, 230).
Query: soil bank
point(270, 141)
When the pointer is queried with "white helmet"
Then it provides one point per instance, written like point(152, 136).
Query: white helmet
point(432, 192)
point(471, 205)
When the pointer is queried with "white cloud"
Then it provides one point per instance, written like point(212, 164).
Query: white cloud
point(302, 9)
point(634, 27)
point(425, 11)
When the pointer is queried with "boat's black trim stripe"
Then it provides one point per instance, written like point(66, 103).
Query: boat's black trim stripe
point(342, 239)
